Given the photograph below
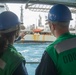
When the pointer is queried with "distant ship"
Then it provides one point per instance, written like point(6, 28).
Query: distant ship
point(37, 36)
point(41, 36)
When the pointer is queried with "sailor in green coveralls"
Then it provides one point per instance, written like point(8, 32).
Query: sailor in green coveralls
point(11, 61)
point(59, 57)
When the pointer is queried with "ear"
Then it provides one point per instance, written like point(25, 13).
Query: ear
point(53, 26)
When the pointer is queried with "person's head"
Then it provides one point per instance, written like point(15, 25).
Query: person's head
point(9, 28)
point(59, 17)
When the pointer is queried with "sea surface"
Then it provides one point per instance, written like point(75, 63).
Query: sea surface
point(32, 53)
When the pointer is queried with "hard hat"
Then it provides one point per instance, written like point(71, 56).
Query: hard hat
point(59, 12)
point(8, 21)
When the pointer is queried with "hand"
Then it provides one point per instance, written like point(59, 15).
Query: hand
point(22, 34)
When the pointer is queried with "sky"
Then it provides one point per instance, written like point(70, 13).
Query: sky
point(31, 17)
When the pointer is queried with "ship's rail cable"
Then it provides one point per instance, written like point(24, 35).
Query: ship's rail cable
point(32, 62)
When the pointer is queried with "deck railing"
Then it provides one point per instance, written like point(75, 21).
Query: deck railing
point(32, 62)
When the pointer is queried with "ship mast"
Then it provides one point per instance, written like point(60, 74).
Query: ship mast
point(21, 18)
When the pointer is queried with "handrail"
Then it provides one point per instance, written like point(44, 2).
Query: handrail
point(32, 62)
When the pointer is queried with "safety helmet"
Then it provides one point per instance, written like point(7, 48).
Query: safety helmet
point(59, 12)
point(8, 22)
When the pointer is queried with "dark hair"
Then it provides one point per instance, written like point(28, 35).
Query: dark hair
point(3, 45)
point(5, 39)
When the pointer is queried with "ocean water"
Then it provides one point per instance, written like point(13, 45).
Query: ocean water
point(32, 53)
